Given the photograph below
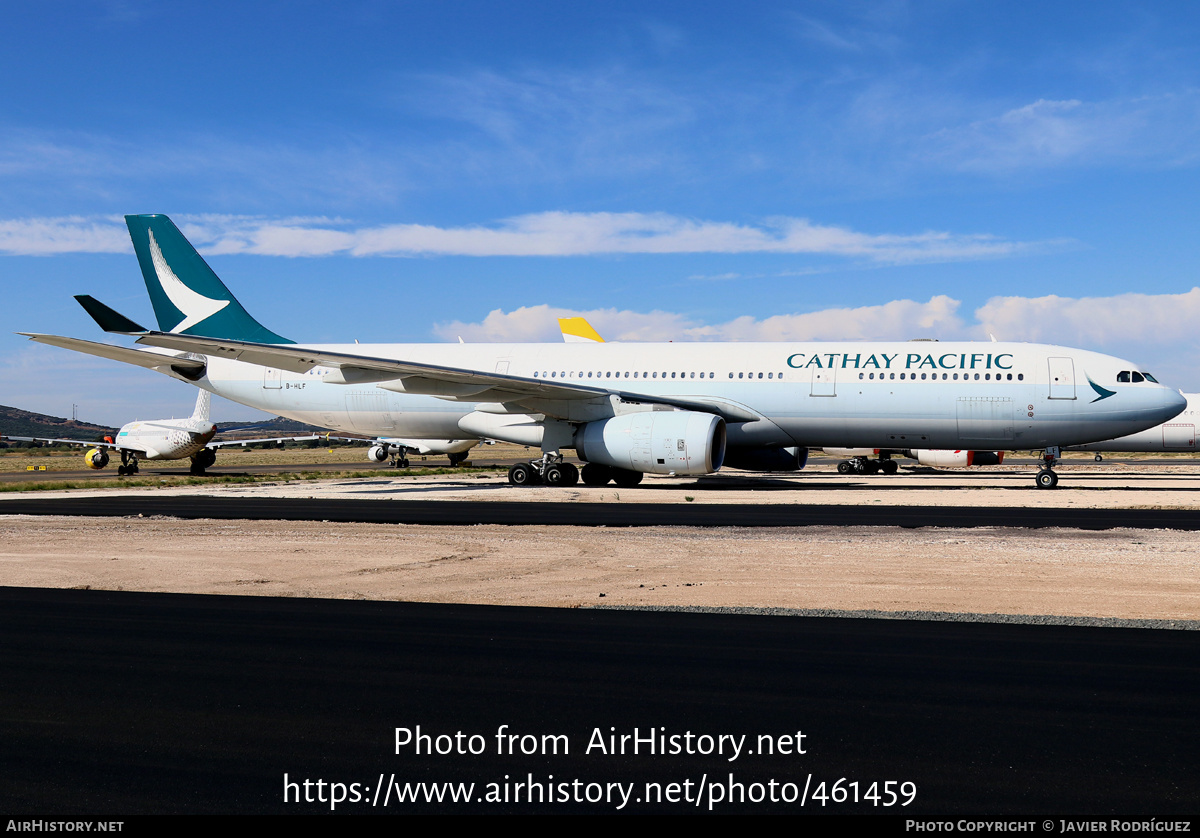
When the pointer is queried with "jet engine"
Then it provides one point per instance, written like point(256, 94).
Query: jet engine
point(767, 459)
point(96, 458)
point(377, 453)
point(958, 459)
point(204, 458)
point(658, 442)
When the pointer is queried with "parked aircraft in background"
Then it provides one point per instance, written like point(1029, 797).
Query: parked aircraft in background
point(397, 450)
point(159, 439)
point(859, 459)
point(673, 408)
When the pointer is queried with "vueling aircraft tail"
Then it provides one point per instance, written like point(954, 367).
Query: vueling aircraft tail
point(188, 297)
point(203, 406)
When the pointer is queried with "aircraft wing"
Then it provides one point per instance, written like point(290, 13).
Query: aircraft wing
point(259, 441)
point(149, 358)
point(80, 442)
point(446, 382)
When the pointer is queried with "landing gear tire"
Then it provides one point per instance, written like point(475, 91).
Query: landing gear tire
point(455, 459)
point(1046, 479)
point(121, 470)
point(522, 474)
point(872, 466)
point(889, 467)
point(1099, 458)
point(844, 467)
point(561, 474)
point(595, 474)
point(626, 479)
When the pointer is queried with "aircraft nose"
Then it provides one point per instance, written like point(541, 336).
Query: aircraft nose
point(1173, 404)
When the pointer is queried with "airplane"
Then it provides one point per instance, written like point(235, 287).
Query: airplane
point(1176, 435)
point(629, 409)
point(397, 449)
point(859, 459)
point(159, 439)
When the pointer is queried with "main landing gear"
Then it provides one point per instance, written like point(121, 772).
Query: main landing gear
point(1046, 478)
point(865, 465)
point(129, 463)
point(550, 469)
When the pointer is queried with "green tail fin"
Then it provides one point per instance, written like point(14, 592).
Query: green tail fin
point(188, 297)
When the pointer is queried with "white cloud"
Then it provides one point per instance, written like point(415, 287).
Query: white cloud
point(1161, 129)
point(73, 234)
point(537, 234)
point(1121, 320)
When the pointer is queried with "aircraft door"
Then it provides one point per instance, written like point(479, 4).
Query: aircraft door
point(1062, 378)
point(824, 382)
point(1179, 437)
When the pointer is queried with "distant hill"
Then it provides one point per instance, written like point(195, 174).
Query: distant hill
point(19, 422)
point(278, 425)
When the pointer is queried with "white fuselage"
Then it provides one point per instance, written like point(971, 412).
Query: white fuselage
point(989, 396)
point(1176, 435)
point(165, 439)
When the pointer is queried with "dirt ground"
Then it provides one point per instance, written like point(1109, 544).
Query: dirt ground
point(1130, 574)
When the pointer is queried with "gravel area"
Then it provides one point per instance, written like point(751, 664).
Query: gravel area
point(1111, 577)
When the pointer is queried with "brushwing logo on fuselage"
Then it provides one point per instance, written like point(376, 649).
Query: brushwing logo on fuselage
point(196, 307)
point(1101, 392)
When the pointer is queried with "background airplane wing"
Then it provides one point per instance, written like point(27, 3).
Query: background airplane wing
point(430, 379)
point(275, 439)
point(80, 442)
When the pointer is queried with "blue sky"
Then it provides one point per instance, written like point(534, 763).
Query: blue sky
point(418, 171)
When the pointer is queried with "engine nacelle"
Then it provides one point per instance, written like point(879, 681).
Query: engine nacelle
point(204, 458)
point(377, 453)
point(657, 442)
point(958, 459)
point(766, 459)
point(96, 458)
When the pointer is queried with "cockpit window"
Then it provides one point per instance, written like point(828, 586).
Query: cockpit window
point(1149, 377)
point(1138, 378)
point(1123, 377)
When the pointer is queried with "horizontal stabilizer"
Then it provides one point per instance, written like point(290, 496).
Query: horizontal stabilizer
point(108, 319)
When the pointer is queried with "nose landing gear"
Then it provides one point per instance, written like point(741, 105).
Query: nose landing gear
point(1046, 477)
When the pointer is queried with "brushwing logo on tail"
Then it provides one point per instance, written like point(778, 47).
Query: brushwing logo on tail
point(196, 307)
